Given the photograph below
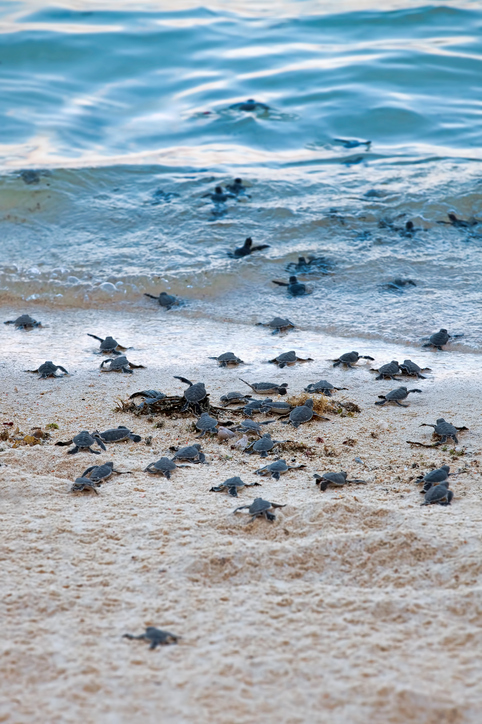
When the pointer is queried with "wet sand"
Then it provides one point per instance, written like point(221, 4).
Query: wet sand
point(355, 605)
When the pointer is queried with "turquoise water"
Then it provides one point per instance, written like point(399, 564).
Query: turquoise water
point(124, 116)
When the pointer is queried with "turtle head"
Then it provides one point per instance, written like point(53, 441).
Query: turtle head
point(238, 181)
point(249, 242)
point(293, 280)
point(440, 419)
point(218, 189)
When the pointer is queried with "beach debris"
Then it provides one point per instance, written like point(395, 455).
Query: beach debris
point(206, 423)
point(303, 413)
point(310, 264)
point(242, 443)
point(279, 467)
point(411, 369)
point(247, 249)
point(24, 322)
point(224, 433)
point(231, 398)
point(401, 393)
point(267, 388)
point(444, 430)
point(83, 441)
point(164, 466)
point(438, 494)
point(294, 287)
point(100, 473)
point(260, 508)
point(191, 453)
point(118, 434)
point(440, 338)
point(324, 387)
point(119, 364)
point(228, 359)
point(460, 223)
point(48, 369)
point(155, 637)
point(263, 446)
point(388, 371)
point(20, 439)
point(108, 345)
point(335, 479)
point(165, 300)
point(193, 395)
point(232, 485)
point(277, 324)
point(349, 359)
point(288, 359)
point(82, 484)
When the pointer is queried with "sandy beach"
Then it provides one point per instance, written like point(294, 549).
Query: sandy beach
point(355, 605)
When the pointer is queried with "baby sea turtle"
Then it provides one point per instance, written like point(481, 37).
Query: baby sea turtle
point(228, 359)
point(267, 388)
point(24, 322)
point(303, 413)
point(83, 441)
point(237, 188)
point(247, 249)
point(82, 484)
point(118, 434)
point(434, 477)
point(310, 264)
point(150, 397)
point(440, 338)
point(232, 485)
point(194, 394)
point(100, 473)
point(411, 369)
point(398, 284)
point(401, 393)
point(277, 324)
point(206, 423)
point(119, 364)
point(108, 345)
point(438, 494)
point(352, 143)
point(48, 369)
point(251, 427)
point(294, 287)
point(278, 408)
point(324, 387)
point(249, 106)
point(191, 453)
point(260, 508)
point(164, 300)
point(219, 196)
point(444, 430)
point(255, 406)
point(349, 359)
point(336, 479)
point(155, 636)
point(461, 223)
point(277, 468)
point(288, 359)
point(231, 398)
point(263, 446)
point(164, 466)
point(388, 371)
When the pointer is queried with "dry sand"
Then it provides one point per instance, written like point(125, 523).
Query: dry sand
point(353, 606)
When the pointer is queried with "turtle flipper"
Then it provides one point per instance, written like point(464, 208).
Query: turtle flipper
point(89, 470)
point(74, 450)
point(94, 337)
point(396, 402)
point(183, 379)
point(232, 491)
point(151, 296)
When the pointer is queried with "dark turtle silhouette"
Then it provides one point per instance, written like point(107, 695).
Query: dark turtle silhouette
point(191, 453)
point(401, 393)
point(294, 287)
point(24, 322)
point(228, 359)
point(310, 264)
point(352, 143)
point(100, 473)
point(324, 387)
point(155, 637)
point(444, 430)
point(232, 485)
point(411, 369)
point(231, 398)
point(388, 371)
point(336, 479)
point(118, 434)
point(303, 413)
point(247, 249)
point(108, 345)
point(460, 223)
point(255, 406)
point(263, 446)
point(249, 106)
point(163, 466)
point(250, 427)
point(150, 397)
point(278, 408)
point(83, 484)
point(237, 188)
point(434, 477)
point(206, 423)
point(277, 324)
point(48, 369)
point(164, 300)
point(288, 359)
point(440, 338)
point(277, 468)
point(260, 508)
point(349, 359)
point(193, 395)
point(83, 441)
point(267, 388)
point(398, 284)
point(119, 364)
point(219, 196)
point(438, 494)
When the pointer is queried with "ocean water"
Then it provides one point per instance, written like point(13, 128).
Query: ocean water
point(115, 124)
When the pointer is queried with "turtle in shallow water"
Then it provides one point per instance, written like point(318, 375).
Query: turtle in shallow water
point(83, 484)
point(440, 338)
point(310, 264)
point(232, 485)
point(228, 359)
point(293, 286)
point(206, 423)
point(411, 369)
point(108, 345)
point(288, 359)
point(155, 637)
point(460, 223)
point(438, 494)
point(401, 393)
point(48, 369)
point(118, 434)
point(100, 473)
point(434, 477)
point(164, 300)
point(277, 324)
point(249, 106)
point(277, 468)
point(83, 441)
point(303, 413)
point(191, 453)
point(246, 249)
point(163, 466)
point(260, 508)
point(349, 359)
point(219, 196)
point(324, 387)
point(120, 364)
point(237, 188)
point(336, 479)
point(231, 398)
point(267, 388)
point(352, 143)
point(24, 322)
point(388, 371)
point(194, 394)
point(444, 430)
point(263, 446)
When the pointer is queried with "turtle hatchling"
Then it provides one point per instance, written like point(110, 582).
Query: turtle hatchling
point(246, 249)
point(254, 406)
point(164, 300)
point(277, 468)
point(100, 473)
point(231, 398)
point(278, 325)
point(288, 359)
point(444, 430)
point(191, 453)
point(267, 388)
point(155, 637)
point(83, 441)
point(294, 287)
point(303, 413)
point(336, 479)
point(206, 423)
point(119, 364)
point(228, 359)
point(24, 322)
point(438, 494)
point(440, 338)
point(263, 446)
point(150, 397)
point(164, 466)
point(324, 387)
point(232, 485)
point(349, 359)
point(401, 393)
point(251, 427)
point(388, 371)
point(108, 345)
point(278, 408)
point(260, 508)
point(82, 484)
point(118, 434)
point(48, 369)
point(434, 477)
point(411, 369)
point(193, 395)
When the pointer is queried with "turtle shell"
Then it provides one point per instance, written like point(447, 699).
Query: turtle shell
point(438, 494)
point(206, 422)
point(399, 394)
point(303, 413)
point(279, 323)
point(259, 506)
point(235, 482)
point(25, 320)
point(47, 368)
point(409, 367)
point(439, 338)
point(84, 439)
point(279, 407)
point(109, 344)
point(234, 397)
point(279, 466)
point(286, 357)
point(349, 357)
point(321, 386)
point(391, 368)
point(445, 428)
point(116, 434)
point(250, 425)
point(228, 357)
point(264, 444)
point(195, 393)
point(100, 472)
point(437, 476)
point(164, 464)
point(335, 478)
point(117, 363)
point(189, 452)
